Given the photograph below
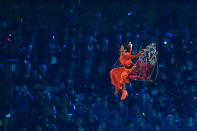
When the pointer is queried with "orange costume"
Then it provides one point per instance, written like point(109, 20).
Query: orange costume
point(121, 76)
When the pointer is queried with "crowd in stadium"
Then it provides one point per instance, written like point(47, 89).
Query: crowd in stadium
point(56, 58)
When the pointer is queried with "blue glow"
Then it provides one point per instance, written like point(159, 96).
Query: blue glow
point(65, 45)
point(131, 13)
point(30, 46)
point(12, 60)
point(25, 61)
point(13, 67)
point(169, 34)
point(131, 85)
point(8, 115)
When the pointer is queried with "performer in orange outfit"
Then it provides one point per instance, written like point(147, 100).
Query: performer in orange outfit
point(121, 76)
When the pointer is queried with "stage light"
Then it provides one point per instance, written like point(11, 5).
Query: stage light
point(13, 67)
point(30, 46)
point(8, 115)
point(25, 61)
point(130, 13)
point(165, 42)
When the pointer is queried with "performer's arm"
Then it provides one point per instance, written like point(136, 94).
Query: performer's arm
point(131, 45)
point(138, 54)
point(135, 56)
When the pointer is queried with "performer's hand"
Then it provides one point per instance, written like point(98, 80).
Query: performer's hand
point(130, 45)
point(143, 50)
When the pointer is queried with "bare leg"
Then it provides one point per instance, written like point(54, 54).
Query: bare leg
point(124, 92)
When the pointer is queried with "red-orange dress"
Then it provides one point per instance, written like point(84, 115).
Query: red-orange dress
point(120, 75)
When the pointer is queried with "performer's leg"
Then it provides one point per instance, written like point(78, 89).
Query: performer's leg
point(124, 93)
point(124, 80)
point(115, 79)
point(117, 90)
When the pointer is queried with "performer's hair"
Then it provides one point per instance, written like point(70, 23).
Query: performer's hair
point(126, 47)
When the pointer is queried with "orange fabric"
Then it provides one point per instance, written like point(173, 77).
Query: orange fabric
point(115, 75)
point(121, 75)
point(126, 59)
point(124, 78)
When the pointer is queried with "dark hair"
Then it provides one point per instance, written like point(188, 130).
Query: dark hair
point(126, 47)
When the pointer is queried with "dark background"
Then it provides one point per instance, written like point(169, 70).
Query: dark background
point(55, 59)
